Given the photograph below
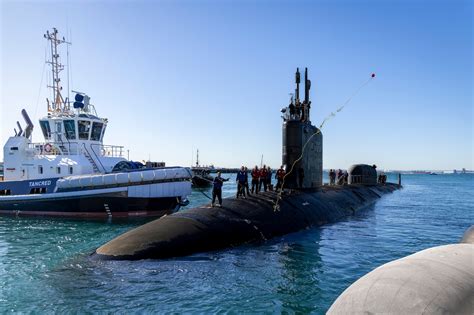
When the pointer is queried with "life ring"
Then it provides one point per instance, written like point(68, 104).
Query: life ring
point(48, 147)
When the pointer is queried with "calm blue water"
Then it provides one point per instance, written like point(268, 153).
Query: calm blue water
point(45, 265)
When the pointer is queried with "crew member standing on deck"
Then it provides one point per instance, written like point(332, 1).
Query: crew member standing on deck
point(332, 177)
point(255, 175)
point(339, 177)
point(241, 182)
point(269, 178)
point(217, 189)
point(246, 186)
point(279, 177)
point(263, 178)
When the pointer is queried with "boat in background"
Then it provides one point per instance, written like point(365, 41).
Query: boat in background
point(73, 173)
point(201, 174)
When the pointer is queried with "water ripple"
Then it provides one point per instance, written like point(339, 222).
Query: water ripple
point(45, 265)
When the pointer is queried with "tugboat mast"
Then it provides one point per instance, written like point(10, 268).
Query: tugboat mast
point(58, 104)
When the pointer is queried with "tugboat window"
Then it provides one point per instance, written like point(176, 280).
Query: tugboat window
point(84, 127)
point(46, 129)
point(35, 191)
point(40, 169)
point(71, 170)
point(96, 131)
point(58, 131)
point(70, 129)
point(58, 170)
point(103, 132)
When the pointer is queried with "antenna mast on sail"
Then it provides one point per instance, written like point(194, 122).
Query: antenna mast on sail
point(57, 104)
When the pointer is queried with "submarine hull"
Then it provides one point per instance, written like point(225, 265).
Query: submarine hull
point(240, 221)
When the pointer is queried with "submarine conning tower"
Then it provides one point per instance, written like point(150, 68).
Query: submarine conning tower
point(297, 130)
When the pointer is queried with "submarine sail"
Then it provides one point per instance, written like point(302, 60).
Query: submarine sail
point(302, 143)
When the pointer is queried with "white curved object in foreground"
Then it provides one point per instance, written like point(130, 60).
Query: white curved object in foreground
point(438, 280)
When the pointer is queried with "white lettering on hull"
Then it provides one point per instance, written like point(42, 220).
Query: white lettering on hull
point(40, 183)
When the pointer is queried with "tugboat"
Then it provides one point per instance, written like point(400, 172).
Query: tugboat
point(73, 173)
point(201, 174)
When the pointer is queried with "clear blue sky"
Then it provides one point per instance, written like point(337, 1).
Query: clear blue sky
point(173, 76)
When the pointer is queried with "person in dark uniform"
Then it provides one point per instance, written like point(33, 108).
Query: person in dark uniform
point(332, 177)
point(217, 189)
point(246, 186)
point(340, 178)
point(269, 178)
point(255, 176)
point(241, 182)
point(263, 179)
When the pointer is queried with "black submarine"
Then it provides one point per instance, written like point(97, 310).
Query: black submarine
point(304, 201)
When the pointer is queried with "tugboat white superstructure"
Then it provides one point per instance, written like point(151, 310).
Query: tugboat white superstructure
point(73, 173)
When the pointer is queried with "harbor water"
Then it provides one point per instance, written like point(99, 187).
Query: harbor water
point(45, 264)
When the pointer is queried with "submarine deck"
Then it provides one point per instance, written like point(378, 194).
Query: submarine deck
point(240, 221)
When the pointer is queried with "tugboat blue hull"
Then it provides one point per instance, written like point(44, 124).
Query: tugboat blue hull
point(98, 205)
point(153, 192)
point(24, 187)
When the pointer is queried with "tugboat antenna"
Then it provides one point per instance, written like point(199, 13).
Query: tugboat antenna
point(58, 104)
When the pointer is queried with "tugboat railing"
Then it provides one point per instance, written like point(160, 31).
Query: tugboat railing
point(109, 150)
point(55, 148)
point(74, 148)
